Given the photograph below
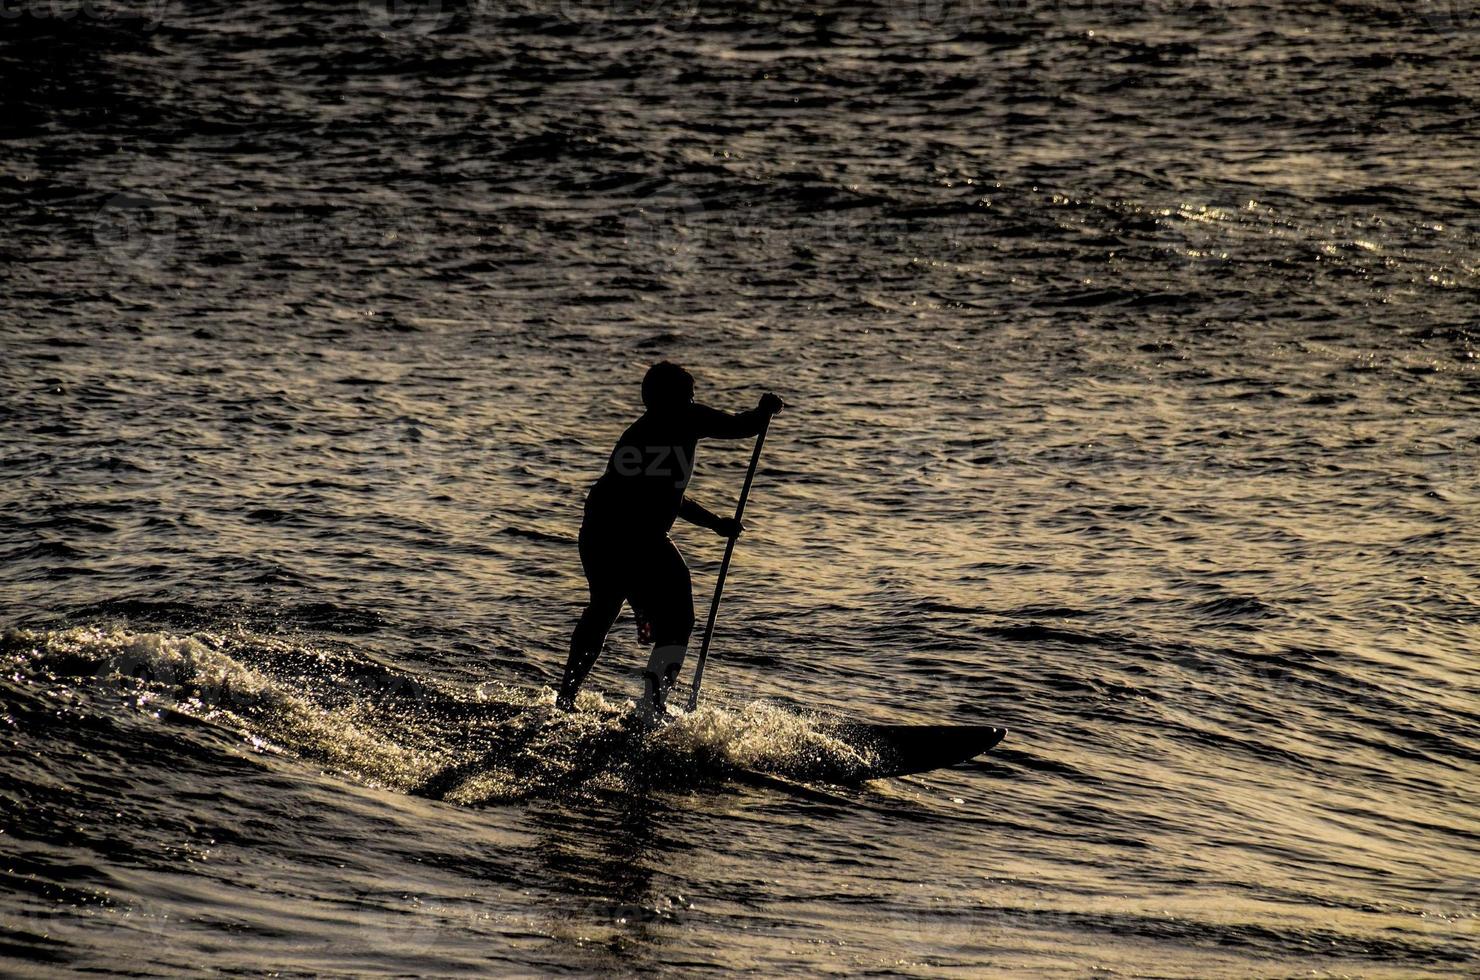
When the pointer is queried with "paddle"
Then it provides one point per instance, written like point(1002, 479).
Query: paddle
point(724, 566)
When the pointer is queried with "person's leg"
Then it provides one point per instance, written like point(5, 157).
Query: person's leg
point(668, 596)
point(585, 643)
point(597, 558)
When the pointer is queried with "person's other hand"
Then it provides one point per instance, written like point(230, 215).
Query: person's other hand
point(728, 527)
point(771, 403)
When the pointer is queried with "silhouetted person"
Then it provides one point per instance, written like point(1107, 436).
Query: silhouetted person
point(624, 543)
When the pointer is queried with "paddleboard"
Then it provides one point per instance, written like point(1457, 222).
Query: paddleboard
point(897, 750)
point(905, 750)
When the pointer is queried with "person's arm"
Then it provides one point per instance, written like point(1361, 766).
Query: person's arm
point(711, 423)
point(695, 513)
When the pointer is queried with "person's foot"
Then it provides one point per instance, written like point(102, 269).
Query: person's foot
point(565, 702)
point(645, 704)
point(646, 717)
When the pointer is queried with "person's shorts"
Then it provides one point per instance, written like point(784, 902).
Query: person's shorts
point(649, 573)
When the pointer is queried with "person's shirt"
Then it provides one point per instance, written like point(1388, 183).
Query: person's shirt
point(642, 489)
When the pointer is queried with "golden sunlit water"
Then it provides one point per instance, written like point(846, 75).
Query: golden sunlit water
point(1132, 405)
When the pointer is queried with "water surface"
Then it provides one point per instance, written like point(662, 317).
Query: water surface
point(1131, 363)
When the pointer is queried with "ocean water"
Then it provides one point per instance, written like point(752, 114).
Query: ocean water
point(1130, 351)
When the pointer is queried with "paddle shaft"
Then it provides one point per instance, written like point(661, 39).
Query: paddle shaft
point(724, 567)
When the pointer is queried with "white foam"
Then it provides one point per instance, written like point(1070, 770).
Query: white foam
point(193, 674)
point(763, 736)
point(520, 746)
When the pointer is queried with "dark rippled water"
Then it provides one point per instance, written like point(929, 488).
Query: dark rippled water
point(1132, 363)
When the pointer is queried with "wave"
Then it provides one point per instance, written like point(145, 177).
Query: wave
point(198, 677)
point(374, 723)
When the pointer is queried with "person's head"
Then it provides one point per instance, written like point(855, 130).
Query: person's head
point(666, 385)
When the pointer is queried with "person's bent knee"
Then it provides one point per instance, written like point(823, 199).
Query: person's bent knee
point(673, 634)
point(666, 657)
point(674, 626)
